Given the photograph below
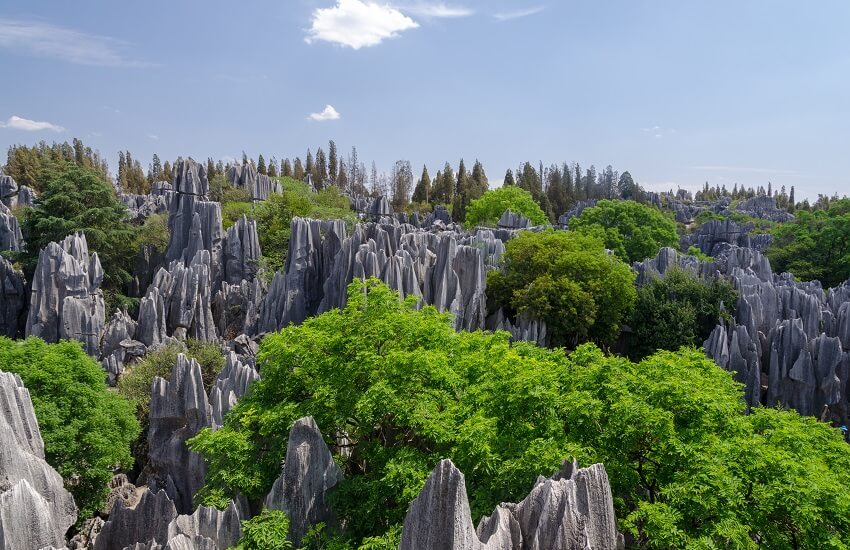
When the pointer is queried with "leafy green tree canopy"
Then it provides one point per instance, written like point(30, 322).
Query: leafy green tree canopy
point(487, 210)
point(678, 310)
point(78, 199)
point(632, 230)
point(815, 245)
point(568, 280)
point(687, 467)
point(87, 429)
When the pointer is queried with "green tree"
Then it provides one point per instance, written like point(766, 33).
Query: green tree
point(422, 192)
point(489, 208)
point(333, 163)
point(815, 245)
point(274, 217)
point(509, 178)
point(678, 310)
point(261, 165)
point(266, 531)
point(78, 199)
point(633, 231)
point(566, 279)
point(86, 429)
point(444, 186)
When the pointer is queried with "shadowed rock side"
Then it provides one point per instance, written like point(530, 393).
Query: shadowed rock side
point(12, 298)
point(35, 508)
point(572, 510)
point(11, 237)
point(511, 220)
point(764, 207)
point(309, 472)
point(179, 410)
point(260, 186)
point(232, 383)
point(12, 196)
point(66, 301)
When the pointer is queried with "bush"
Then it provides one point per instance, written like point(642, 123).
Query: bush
point(815, 245)
point(487, 210)
point(687, 467)
point(267, 531)
point(566, 279)
point(274, 217)
point(678, 310)
point(87, 429)
point(632, 230)
point(154, 232)
point(231, 212)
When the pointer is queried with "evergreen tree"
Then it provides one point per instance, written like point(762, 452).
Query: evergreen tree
point(298, 171)
point(166, 172)
point(286, 168)
point(509, 178)
point(480, 184)
point(210, 167)
point(342, 176)
point(261, 165)
point(461, 195)
point(356, 175)
point(422, 193)
point(321, 176)
point(244, 158)
point(308, 166)
point(791, 204)
point(769, 189)
point(556, 192)
point(444, 186)
point(333, 163)
point(401, 182)
point(272, 170)
point(373, 180)
point(122, 171)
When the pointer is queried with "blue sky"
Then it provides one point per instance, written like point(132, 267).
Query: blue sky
point(678, 93)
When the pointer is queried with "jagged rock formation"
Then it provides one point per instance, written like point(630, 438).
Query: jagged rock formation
point(245, 176)
point(231, 384)
point(511, 220)
point(524, 329)
point(12, 298)
point(11, 237)
point(118, 346)
point(710, 236)
point(764, 207)
point(66, 301)
point(35, 508)
point(179, 409)
point(148, 520)
point(141, 207)
point(309, 472)
point(241, 251)
point(580, 206)
point(669, 258)
point(11, 195)
point(572, 510)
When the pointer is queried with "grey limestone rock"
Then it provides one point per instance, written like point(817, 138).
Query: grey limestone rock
point(179, 409)
point(12, 298)
point(11, 195)
point(512, 220)
point(66, 301)
point(35, 508)
point(309, 472)
point(764, 207)
point(259, 185)
point(580, 206)
point(572, 510)
point(148, 520)
point(241, 251)
point(231, 384)
point(141, 207)
point(11, 237)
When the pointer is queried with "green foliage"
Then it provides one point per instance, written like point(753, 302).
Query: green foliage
point(232, 211)
point(698, 254)
point(154, 232)
point(632, 230)
point(266, 531)
point(76, 199)
point(566, 279)
point(687, 468)
point(86, 429)
point(489, 208)
point(135, 384)
point(678, 310)
point(815, 245)
point(274, 217)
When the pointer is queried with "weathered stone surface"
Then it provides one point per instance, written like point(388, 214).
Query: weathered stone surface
point(512, 220)
point(572, 510)
point(236, 308)
point(141, 207)
point(764, 207)
point(524, 328)
point(11, 237)
point(12, 298)
point(179, 409)
point(580, 206)
point(66, 301)
point(35, 508)
point(117, 345)
point(222, 528)
point(309, 472)
point(379, 207)
point(231, 384)
point(716, 232)
point(149, 520)
point(12, 196)
point(148, 261)
point(241, 251)
point(259, 185)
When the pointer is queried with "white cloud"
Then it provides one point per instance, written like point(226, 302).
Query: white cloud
point(46, 40)
point(329, 113)
point(358, 24)
point(153, 137)
point(437, 9)
point(18, 123)
point(516, 14)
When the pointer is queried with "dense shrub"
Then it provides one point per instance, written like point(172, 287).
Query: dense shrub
point(632, 230)
point(87, 429)
point(487, 209)
point(566, 279)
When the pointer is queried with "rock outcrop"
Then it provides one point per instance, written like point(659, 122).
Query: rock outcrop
point(12, 298)
point(572, 510)
point(231, 384)
point(179, 409)
point(764, 207)
point(12, 196)
point(11, 237)
point(245, 176)
point(66, 301)
point(309, 472)
point(35, 508)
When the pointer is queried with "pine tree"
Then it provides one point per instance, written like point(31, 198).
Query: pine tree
point(356, 176)
point(166, 172)
point(422, 193)
point(791, 204)
point(210, 167)
point(769, 189)
point(444, 188)
point(333, 163)
point(373, 180)
point(272, 170)
point(261, 165)
point(122, 170)
point(461, 195)
point(308, 166)
point(401, 182)
point(321, 176)
point(298, 170)
point(480, 184)
point(286, 168)
point(342, 176)
point(509, 178)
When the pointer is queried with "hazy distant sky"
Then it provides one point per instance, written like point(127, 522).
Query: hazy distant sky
point(675, 92)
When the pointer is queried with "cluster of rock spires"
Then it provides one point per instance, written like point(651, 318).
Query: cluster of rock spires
point(260, 186)
point(572, 510)
point(35, 508)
